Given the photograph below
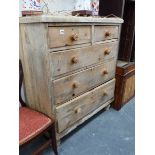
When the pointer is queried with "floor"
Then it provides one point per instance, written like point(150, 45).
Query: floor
point(107, 133)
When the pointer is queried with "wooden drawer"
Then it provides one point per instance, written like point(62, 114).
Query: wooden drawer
point(70, 86)
point(105, 32)
point(69, 35)
point(70, 112)
point(70, 60)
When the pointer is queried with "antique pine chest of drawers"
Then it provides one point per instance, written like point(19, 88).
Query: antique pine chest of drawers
point(69, 66)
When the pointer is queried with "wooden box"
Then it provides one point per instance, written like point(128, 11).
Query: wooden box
point(125, 84)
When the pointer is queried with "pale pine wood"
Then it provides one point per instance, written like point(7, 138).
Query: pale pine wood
point(35, 66)
point(121, 63)
point(71, 111)
point(70, 86)
point(57, 49)
point(68, 35)
point(61, 62)
point(45, 69)
point(100, 32)
point(69, 19)
point(79, 122)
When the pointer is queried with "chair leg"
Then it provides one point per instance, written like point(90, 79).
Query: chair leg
point(53, 138)
point(42, 148)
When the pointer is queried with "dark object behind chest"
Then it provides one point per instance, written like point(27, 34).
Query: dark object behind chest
point(125, 84)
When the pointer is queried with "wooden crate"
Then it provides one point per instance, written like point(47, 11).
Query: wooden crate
point(125, 84)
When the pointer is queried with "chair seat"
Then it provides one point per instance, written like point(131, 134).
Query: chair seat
point(31, 123)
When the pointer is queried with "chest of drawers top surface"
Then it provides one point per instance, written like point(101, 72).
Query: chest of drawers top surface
point(68, 19)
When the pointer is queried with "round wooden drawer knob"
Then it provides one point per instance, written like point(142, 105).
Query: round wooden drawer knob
point(75, 85)
point(107, 51)
point(74, 60)
point(105, 72)
point(78, 110)
point(75, 37)
point(107, 34)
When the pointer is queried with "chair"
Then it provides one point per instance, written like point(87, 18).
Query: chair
point(33, 124)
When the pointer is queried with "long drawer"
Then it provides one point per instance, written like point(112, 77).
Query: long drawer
point(102, 33)
point(72, 111)
point(70, 86)
point(70, 60)
point(68, 35)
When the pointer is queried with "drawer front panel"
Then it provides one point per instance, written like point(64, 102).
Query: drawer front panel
point(70, 60)
point(105, 32)
point(72, 111)
point(70, 86)
point(67, 36)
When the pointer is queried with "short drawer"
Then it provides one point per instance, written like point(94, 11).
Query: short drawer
point(105, 32)
point(72, 111)
point(69, 35)
point(70, 60)
point(70, 86)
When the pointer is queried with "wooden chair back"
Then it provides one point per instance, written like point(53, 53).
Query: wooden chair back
point(21, 77)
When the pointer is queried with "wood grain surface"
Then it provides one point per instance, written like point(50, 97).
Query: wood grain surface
point(35, 66)
point(61, 62)
point(69, 66)
point(129, 88)
point(71, 111)
point(70, 86)
point(105, 32)
point(68, 35)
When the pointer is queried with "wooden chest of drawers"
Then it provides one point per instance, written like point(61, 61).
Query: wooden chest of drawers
point(69, 66)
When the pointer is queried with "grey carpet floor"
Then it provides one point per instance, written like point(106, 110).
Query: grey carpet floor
point(107, 133)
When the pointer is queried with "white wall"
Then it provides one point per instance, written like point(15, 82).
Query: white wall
point(58, 5)
point(63, 5)
point(55, 5)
